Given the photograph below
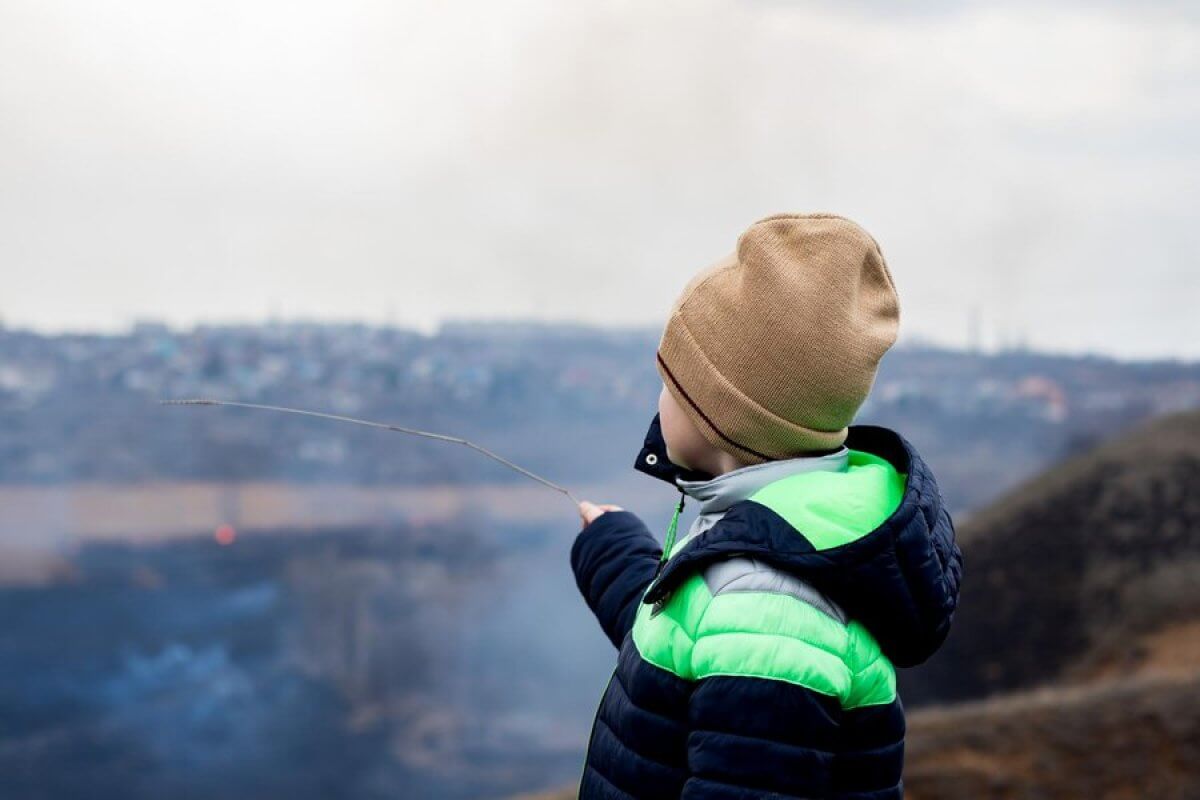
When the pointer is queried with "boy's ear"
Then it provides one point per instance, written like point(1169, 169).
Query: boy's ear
point(652, 459)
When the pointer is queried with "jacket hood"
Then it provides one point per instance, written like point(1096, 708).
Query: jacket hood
point(875, 538)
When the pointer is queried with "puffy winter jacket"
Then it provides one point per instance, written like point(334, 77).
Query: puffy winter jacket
point(758, 661)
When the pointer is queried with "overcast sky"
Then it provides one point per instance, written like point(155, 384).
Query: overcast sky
point(218, 160)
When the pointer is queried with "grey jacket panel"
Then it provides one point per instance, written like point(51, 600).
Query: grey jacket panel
point(750, 575)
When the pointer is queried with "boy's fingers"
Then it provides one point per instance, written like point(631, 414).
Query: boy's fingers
point(589, 511)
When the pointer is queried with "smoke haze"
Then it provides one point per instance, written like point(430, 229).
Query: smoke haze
point(416, 162)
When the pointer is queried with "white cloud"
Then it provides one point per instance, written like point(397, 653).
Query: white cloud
point(226, 159)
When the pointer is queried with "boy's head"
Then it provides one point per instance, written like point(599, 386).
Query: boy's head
point(769, 353)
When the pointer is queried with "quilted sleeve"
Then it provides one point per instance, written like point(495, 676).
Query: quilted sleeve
point(614, 559)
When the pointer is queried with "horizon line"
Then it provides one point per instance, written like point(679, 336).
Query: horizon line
point(912, 341)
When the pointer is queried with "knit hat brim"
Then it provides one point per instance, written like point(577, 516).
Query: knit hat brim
point(750, 432)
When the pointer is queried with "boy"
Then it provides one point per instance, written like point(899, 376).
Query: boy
point(757, 653)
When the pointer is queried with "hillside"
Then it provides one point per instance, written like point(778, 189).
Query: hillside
point(1078, 573)
point(1124, 738)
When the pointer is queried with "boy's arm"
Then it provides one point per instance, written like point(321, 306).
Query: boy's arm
point(614, 559)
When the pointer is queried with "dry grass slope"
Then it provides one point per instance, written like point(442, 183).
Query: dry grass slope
point(1117, 740)
point(1072, 573)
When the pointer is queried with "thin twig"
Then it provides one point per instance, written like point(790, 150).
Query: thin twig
point(441, 437)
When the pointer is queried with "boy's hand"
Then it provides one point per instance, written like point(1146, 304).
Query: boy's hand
point(588, 512)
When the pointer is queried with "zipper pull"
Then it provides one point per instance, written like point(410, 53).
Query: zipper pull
point(668, 546)
point(672, 529)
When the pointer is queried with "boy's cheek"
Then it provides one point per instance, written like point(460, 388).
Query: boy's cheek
point(677, 430)
point(677, 459)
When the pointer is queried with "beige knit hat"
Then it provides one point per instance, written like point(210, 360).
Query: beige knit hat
point(772, 350)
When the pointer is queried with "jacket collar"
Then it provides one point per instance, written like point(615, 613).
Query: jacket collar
point(652, 459)
point(719, 493)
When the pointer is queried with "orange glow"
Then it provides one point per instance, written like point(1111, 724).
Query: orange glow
point(225, 535)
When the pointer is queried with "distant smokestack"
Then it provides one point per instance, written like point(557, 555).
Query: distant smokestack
point(973, 330)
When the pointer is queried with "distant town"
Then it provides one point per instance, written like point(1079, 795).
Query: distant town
point(570, 400)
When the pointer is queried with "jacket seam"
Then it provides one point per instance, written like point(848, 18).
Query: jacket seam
point(629, 698)
point(613, 733)
point(607, 780)
point(839, 656)
point(782, 742)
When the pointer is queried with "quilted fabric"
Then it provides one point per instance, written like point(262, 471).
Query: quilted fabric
point(740, 696)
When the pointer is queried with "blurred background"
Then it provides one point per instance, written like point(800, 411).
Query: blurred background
point(472, 217)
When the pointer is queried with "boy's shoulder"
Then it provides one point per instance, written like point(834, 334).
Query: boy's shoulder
point(743, 617)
